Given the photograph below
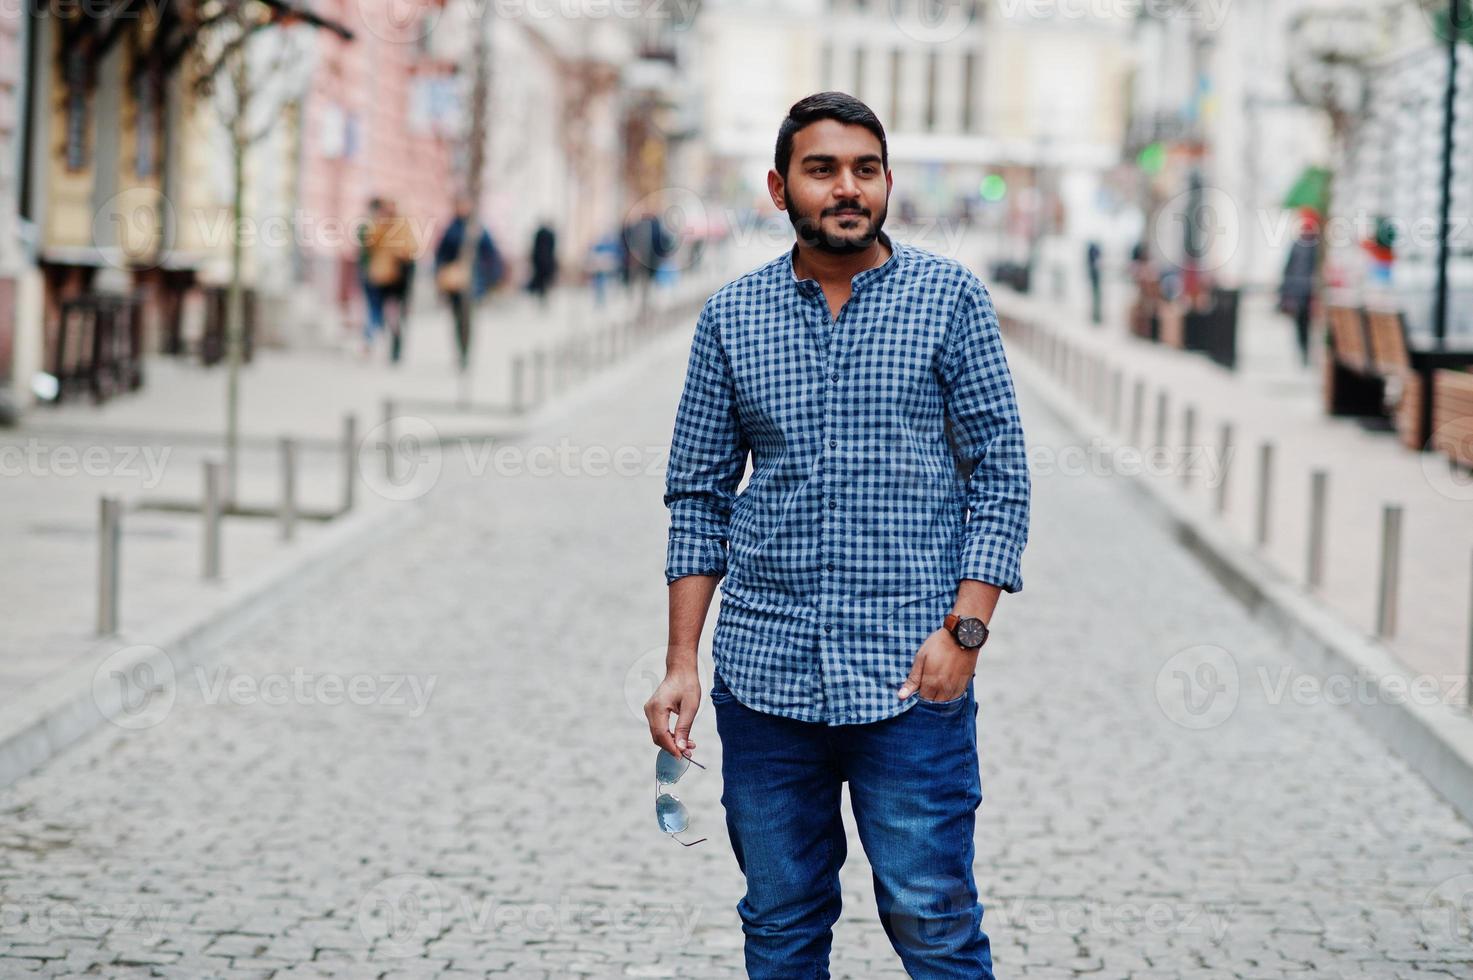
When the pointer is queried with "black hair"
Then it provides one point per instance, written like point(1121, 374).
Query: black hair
point(839, 106)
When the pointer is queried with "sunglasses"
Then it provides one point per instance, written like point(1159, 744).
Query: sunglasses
point(672, 815)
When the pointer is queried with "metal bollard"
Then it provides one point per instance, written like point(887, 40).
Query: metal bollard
point(1137, 411)
point(1314, 573)
point(1161, 402)
point(388, 441)
point(1224, 460)
point(350, 459)
point(1188, 434)
point(288, 488)
point(1116, 398)
point(1390, 571)
point(1265, 482)
point(213, 488)
point(109, 548)
point(518, 382)
point(539, 375)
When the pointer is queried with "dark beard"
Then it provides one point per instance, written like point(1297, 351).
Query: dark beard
point(810, 233)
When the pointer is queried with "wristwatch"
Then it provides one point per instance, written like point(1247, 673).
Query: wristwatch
point(970, 632)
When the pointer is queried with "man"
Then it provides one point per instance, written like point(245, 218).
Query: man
point(1296, 291)
point(391, 246)
point(462, 279)
point(855, 595)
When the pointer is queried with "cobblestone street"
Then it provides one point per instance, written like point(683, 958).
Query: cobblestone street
point(435, 765)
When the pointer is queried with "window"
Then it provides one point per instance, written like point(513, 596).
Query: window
point(969, 92)
point(74, 73)
point(931, 73)
point(896, 64)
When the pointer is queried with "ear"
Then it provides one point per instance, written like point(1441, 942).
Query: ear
point(775, 186)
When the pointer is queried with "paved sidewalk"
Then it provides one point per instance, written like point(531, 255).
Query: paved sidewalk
point(149, 447)
point(1271, 398)
point(484, 808)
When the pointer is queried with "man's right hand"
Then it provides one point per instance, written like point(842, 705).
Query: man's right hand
point(678, 694)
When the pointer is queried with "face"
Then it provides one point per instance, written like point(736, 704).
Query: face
point(836, 192)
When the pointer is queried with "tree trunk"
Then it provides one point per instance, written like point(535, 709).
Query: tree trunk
point(234, 306)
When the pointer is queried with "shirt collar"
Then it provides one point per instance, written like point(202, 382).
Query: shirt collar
point(895, 261)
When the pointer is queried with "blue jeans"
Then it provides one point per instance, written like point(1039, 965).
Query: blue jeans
point(374, 297)
point(915, 788)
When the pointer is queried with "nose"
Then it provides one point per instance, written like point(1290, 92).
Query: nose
point(846, 188)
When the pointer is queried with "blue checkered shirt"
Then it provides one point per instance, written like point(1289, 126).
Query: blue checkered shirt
point(888, 465)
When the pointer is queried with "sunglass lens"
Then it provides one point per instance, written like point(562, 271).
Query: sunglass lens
point(669, 768)
point(671, 814)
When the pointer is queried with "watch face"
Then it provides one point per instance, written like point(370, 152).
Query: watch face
point(971, 632)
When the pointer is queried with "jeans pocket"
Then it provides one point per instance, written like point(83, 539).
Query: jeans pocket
point(942, 704)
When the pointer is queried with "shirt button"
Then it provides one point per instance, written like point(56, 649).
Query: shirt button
point(833, 444)
point(831, 566)
point(828, 628)
point(833, 377)
point(833, 503)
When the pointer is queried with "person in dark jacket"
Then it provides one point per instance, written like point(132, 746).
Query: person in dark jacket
point(544, 262)
point(462, 281)
point(1296, 293)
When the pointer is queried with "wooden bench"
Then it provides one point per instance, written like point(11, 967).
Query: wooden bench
point(1410, 369)
point(96, 346)
point(1452, 414)
point(1352, 384)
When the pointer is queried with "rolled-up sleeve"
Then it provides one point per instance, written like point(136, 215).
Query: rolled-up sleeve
point(708, 455)
point(988, 434)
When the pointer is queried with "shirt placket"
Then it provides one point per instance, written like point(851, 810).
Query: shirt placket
point(831, 517)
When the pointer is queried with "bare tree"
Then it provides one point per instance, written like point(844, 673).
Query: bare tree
point(239, 46)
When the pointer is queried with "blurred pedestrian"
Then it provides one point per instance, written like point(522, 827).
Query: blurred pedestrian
point(1296, 292)
point(605, 261)
point(391, 246)
point(648, 244)
point(373, 300)
point(461, 279)
point(544, 262)
point(1092, 268)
